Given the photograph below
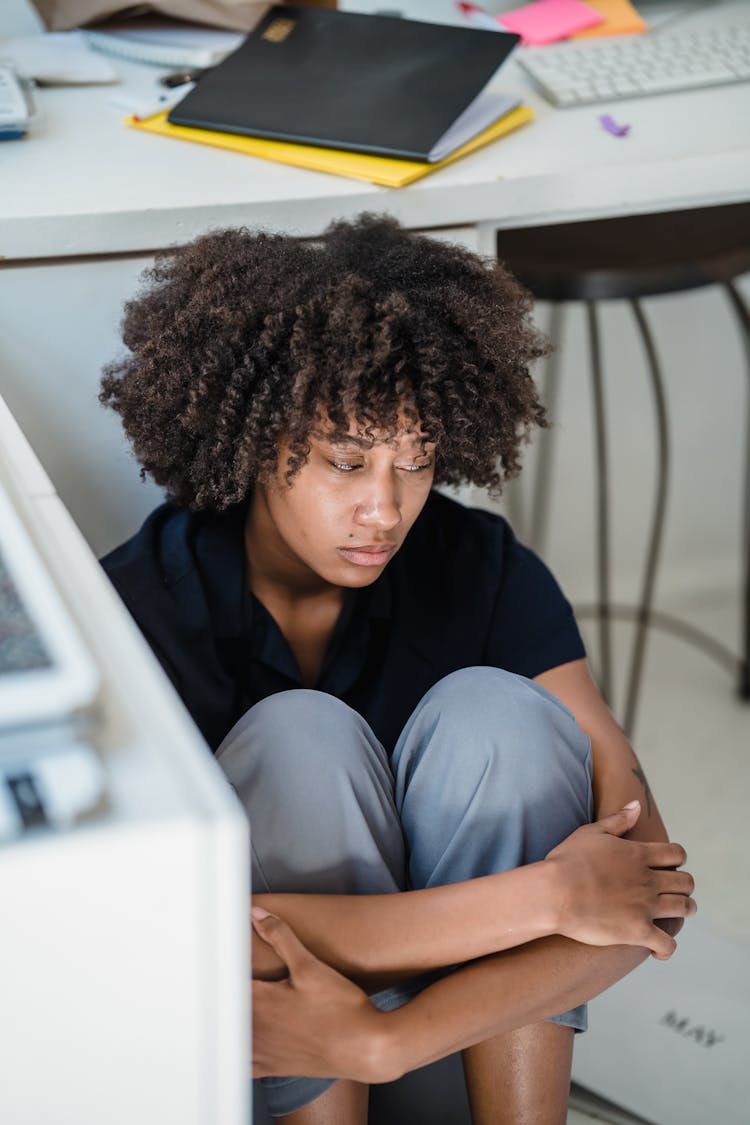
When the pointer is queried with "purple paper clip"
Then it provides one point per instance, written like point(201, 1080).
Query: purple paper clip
point(609, 125)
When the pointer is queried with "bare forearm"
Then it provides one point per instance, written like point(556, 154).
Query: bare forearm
point(614, 787)
point(378, 940)
point(318, 1023)
point(499, 993)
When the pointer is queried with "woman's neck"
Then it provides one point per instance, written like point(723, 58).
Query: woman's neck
point(304, 606)
point(275, 573)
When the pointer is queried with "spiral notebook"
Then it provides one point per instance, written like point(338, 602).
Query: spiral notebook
point(150, 41)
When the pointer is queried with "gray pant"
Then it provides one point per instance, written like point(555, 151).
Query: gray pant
point(490, 772)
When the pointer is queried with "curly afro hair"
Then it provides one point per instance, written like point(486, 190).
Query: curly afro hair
point(240, 339)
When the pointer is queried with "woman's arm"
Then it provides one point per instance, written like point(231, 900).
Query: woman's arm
point(618, 777)
point(378, 940)
point(594, 887)
point(316, 1022)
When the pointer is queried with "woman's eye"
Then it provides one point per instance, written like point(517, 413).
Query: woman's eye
point(417, 468)
point(343, 466)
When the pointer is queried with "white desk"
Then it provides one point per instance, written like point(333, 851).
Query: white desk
point(82, 183)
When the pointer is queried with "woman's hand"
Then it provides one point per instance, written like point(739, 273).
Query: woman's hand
point(613, 890)
point(315, 1023)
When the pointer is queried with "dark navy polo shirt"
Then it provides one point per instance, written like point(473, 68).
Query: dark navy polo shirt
point(462, 591)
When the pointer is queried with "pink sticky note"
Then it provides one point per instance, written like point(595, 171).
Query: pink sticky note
point(548, 20)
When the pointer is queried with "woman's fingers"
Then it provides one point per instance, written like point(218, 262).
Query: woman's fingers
point(662, 946)
point(620, 822)
point(665, 855)
point(282, 940)
point(675, 906)
point(674, 882)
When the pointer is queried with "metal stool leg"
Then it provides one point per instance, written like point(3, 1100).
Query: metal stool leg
point(539, 521)
point(743, 316)
point(643, 611)
point(602, 507)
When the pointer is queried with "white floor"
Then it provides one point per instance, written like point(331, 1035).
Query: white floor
point(693, 739)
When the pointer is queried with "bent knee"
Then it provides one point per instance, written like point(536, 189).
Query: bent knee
point(295, 734)
point(485, 699)
point(486, 726)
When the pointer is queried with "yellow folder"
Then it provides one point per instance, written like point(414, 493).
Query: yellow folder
point(361, 165)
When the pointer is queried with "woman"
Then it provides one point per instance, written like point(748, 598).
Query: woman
point(395, 687)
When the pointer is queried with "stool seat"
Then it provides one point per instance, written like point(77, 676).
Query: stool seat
point(629, 257)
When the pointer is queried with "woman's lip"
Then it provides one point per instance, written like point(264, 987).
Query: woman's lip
point(367, 556)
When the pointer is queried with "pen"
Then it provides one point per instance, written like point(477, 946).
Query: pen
point(140, 110)
point(181, 77)
point(478, 16)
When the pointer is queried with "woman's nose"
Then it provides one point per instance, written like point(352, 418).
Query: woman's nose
point(380, 507)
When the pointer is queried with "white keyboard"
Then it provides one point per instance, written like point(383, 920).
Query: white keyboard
point(14, 105)
point(657, 63)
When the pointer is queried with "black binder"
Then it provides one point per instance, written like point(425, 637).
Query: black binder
point(377, 84)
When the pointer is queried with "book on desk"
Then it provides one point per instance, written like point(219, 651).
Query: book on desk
point(377, 84)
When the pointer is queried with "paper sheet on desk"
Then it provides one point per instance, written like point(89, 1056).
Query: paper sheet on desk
point(59, 58)
point(359, 165)
point(671, 1041)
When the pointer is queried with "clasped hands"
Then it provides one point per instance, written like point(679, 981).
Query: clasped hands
point(604, 890)
point(613, 891)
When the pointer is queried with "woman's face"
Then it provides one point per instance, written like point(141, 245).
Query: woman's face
point(349, 509)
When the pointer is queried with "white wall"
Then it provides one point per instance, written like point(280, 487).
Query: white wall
point(58, 327)
point(17, 17)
